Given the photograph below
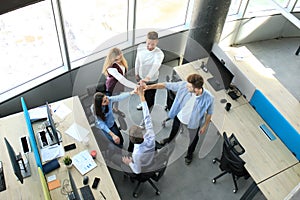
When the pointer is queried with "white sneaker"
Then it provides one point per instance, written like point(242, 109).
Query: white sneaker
point(139, 107)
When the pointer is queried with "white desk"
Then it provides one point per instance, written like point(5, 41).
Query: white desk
point(106, 184)
point(14, 126)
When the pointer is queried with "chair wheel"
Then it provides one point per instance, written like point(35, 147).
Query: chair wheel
point(214, 161)
point(158, 193)
point(135, 195)
point(234, 190)
point(214, 180)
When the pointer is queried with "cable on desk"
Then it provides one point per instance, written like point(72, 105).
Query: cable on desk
point(66, 187)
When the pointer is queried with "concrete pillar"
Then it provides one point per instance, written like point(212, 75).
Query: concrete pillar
point(207, 23)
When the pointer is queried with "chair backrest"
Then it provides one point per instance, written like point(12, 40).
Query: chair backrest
point(159, 164)
point(233, 144)
point(231, 160)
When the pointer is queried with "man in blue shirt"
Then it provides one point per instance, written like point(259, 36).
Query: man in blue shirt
point(192, 108)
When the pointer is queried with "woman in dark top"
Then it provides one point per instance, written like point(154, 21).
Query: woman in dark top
point(115, 67)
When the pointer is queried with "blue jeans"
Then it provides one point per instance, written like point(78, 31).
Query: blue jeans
point(117, 132)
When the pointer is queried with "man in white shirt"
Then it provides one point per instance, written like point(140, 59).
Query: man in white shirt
point(144, 144)
point(148, 61)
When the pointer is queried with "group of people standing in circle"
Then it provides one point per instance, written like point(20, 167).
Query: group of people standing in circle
point(192, 107)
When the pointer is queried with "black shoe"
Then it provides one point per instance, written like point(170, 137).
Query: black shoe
point(158, 145)
point(164, 141)
point(139, 107)
point(188, 159)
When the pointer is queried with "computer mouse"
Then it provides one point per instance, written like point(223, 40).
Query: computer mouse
point(85, 180)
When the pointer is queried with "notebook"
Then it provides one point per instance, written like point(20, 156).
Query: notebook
point(83, 162)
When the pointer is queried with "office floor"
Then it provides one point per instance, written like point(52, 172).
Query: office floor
point(179, 181)
point(195, 181)
point(279, 55)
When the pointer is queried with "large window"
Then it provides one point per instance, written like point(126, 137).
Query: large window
point(161, 14)
point(29, 45)
point(89, 24)
point(34, 49)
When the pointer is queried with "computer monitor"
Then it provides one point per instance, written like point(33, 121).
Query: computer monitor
point(20, 169)
point(74, 195)
point(53, 133)
point(222, 77)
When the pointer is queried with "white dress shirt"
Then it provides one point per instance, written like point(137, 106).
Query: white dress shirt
point(147, 63)
point(143, 153)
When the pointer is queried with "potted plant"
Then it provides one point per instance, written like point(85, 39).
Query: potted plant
point(67, 161)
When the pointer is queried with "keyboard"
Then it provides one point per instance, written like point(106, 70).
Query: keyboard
point(86, 193)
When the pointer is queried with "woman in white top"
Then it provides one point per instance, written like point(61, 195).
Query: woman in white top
point(115, 67)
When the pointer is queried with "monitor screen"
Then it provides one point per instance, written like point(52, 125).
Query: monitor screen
point(222, 77)
point(75, 195)
point(14, 161)
point(53, 133)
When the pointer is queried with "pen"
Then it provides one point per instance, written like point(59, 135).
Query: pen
point(102, 194)
point(56, 108)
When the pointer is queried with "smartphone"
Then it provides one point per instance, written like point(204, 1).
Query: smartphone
point(96, 182)
point(25, 144)
point(70, 147)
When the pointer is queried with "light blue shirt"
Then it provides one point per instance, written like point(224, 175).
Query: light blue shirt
point(143, 153)
point(110, 120)
point(204, 103)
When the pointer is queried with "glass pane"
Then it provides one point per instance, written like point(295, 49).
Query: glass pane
point(234, 7)
point(161, 14)
point(260, 5)
point(297, 7)
point(90, 23)
point(283, 3)
point(28, 45)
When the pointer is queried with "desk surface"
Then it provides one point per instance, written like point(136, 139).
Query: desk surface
point(14, 126)
point(106, 184)
point(279, 186)
point(263, 158)
point(264, 80)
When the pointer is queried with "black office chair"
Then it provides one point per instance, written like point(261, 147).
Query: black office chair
point(155, 171)
point(230, 161)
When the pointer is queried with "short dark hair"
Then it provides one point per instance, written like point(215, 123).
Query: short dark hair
point(152, 35)
point(196, 80)
point(136, 134)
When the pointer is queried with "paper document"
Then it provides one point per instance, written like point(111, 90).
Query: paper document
point(77, 132)
point(61, 110)
point(83, 162)
point(51, 152)
point(38, 113)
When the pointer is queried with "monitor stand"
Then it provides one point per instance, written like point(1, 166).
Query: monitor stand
point(45, 139)
point(24, 166)
point(215, 84)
